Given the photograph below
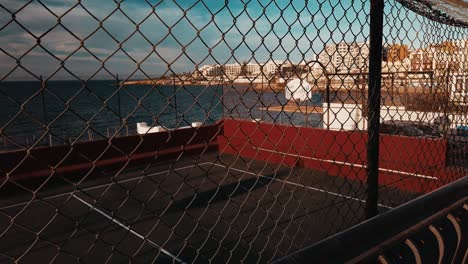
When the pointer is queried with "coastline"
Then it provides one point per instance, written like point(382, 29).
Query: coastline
point(270, 87)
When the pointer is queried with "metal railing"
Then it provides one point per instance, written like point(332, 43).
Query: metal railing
point(26, 141)
point(433, 230)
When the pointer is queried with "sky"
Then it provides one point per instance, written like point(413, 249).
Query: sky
point(137, 38)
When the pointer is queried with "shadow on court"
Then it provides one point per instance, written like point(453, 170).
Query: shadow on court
point(222, 193)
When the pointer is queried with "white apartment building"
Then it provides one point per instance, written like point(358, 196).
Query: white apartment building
point(234, 70)
point(208, 71)
point(252, 69)
point(271, 67)
point(345, 57)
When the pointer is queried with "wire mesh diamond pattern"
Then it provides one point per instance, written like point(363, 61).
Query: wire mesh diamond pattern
point(216, 131)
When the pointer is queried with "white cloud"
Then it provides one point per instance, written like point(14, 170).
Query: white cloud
point(278, 26)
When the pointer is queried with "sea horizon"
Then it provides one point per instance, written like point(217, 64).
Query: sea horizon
point(69, 109)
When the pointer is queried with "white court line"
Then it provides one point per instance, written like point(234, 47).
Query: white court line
point(140, 236)
point(301, 185)
point(354, 165)
point(102, 185)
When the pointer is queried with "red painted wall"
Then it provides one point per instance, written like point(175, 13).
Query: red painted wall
point(338, 153)
point(341, 153)
point(90, 157)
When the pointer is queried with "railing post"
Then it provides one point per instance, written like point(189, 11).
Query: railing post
point(374, 92)
point(44, 110)
point(175, 101)
point(118, 99)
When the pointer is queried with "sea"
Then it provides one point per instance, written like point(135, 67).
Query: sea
point(69, 111)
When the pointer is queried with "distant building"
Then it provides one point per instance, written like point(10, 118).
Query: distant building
point(345, 57)
point(251, 69)
point(421, 60)
point(453, 55)
point(271, 67)
point(236, 70)
point(208, 71)
point(288, 70)
point(395, 52)
point(447, 59)
point(268, 68)
point(396, 66)
point(232, 69)
point(450, 55)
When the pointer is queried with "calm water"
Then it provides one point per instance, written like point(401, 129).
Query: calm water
point(72, 108)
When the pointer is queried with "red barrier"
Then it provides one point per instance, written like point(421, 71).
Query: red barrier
point(416, 164)
point(123, 151)
point(408, 163)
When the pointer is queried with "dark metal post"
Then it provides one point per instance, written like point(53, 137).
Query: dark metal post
point(446, 95)
point(175, 101)
point(44, 110)
point(328, 99)
point(222, 97)
point(406, 82)
point(392, 85)
point(262, 91)
point(362, 82)
point(307, 100)
point(307, 112)
point(374, 92)
point(431, 76)
point(118, 100)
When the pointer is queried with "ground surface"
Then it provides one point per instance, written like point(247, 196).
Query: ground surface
point(221, 208)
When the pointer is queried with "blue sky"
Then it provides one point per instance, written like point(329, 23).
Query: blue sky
point(199, 34)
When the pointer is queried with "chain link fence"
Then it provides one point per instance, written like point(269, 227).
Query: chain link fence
point(220, 131)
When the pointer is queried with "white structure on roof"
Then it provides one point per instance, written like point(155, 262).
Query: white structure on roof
point(349, 117)
point(143, 128)
point(298, 90)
